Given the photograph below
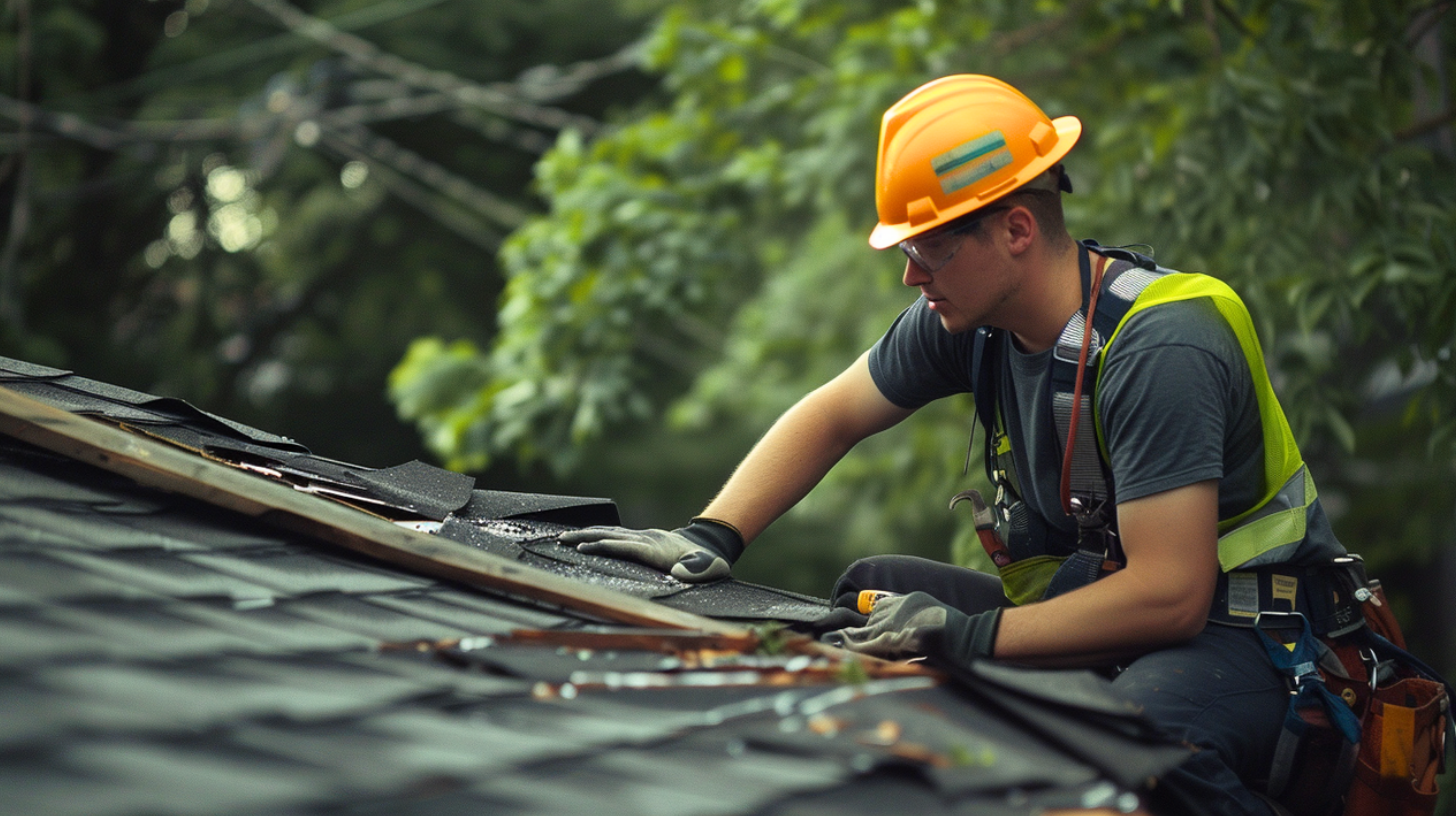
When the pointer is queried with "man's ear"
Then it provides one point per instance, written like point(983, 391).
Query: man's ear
point(1021, 229)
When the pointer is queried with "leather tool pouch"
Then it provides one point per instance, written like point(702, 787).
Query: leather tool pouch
point(1404, 712)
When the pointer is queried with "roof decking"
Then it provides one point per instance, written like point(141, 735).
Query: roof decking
point(254, 652)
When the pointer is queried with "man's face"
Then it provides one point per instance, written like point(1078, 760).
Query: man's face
point(960, 277)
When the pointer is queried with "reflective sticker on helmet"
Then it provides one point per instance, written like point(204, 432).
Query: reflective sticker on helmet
point(969, 162)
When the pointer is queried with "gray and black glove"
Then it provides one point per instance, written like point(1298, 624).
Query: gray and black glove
point(702, 551)
point(904, 626)
point(840, 617)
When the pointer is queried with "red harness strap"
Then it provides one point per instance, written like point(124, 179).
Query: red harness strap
point(1077, 390)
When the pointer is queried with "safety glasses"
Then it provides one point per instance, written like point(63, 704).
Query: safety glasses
point(933, 250)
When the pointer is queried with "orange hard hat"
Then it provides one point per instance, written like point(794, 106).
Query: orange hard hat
point(956, 144)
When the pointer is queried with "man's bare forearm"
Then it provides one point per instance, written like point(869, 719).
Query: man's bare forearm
point(800, 448)
point(1160, 598)
point(781, 469)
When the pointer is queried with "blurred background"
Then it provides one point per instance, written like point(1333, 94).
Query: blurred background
point(596, 247)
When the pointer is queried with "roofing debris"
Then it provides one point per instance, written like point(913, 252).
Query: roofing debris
point(200, 617)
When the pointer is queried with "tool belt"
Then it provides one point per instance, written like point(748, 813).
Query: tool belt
point(1366, 730)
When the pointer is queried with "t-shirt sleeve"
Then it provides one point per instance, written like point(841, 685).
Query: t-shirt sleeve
point(1175, 385)
point(917, 361)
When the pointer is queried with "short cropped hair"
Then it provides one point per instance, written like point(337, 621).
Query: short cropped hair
point(1043, 197)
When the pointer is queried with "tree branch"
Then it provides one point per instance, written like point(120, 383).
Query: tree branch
point(1210, 20)
point(1233, 18)
point(405, 106)
point(1423, 20)
point(1425, 126)
point(118, 137)
point(1021, 37)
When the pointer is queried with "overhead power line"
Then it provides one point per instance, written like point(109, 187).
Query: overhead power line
point(503, 99)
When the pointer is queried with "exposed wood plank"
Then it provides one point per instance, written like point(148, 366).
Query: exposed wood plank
point(167, 467)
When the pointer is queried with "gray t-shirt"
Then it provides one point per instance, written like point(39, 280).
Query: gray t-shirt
point(1176, 402)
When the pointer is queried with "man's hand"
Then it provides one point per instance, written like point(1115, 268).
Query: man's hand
point(702, 551)
point(916, 624)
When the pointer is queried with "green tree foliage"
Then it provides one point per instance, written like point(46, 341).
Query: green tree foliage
point(255, 205)
point(703, 262)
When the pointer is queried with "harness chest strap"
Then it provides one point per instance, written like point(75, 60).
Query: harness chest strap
point(1085, 484)
point(1076, 349)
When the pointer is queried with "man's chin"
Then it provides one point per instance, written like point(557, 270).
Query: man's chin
point(953, 326)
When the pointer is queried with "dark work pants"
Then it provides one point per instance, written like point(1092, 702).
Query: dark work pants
point(1218, 692)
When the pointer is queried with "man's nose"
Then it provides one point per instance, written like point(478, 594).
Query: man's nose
point(915, 275)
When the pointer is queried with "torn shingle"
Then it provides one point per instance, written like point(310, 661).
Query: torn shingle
point(413, 487)
point(573, 511)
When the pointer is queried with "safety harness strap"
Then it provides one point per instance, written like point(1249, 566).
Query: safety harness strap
point(1120, 289)
point(1295, 652)
point(1086, 481)
point(1084, 487)
point(1109, 296)
point(985, 353)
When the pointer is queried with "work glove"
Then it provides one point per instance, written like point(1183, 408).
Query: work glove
point(916, 624)
point(702, 551)
point(840, 617)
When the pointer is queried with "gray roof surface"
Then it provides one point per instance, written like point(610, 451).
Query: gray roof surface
point(162, 655)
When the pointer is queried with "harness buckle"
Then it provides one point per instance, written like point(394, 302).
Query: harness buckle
point(1095, 530)
point(1294, 620)
point(1284, 654)
point(1087, 514)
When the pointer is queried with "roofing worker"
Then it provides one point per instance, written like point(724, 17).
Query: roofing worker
point(1119, 554)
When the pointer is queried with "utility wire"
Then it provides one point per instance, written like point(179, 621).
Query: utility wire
point(497, 99)
point(382, 150)
point(409, 175)
point(408, 191)
point(252, 52)
point(117, 137)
